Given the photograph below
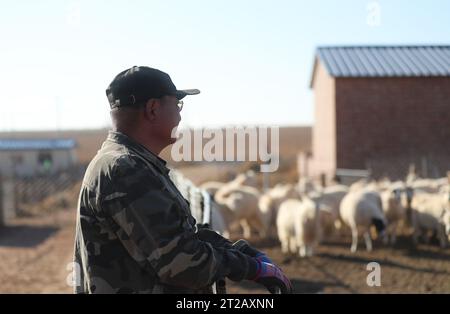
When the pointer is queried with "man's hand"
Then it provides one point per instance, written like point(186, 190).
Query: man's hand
point(271, 277)
point(267, 274)
point(262, 257)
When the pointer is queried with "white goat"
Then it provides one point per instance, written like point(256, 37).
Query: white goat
point(393, 209)
point(211, 187)
point(241, 205)
point(428, 210)
point(298, 226)
point(360, 209)
point(270, 202)
point(329, 200)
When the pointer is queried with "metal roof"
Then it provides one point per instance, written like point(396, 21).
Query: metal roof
point(385, 61)
point(36, 144)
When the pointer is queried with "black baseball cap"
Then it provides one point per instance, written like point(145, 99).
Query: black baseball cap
point(138, 84)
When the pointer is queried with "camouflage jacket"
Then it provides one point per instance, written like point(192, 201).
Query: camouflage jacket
point(135, 233)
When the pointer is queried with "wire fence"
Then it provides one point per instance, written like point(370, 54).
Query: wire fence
point(22, 196)
point(198, 200)
point(35, 189)
point(397, 168)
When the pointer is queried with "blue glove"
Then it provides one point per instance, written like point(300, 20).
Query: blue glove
point(271, 277)
point(262, 257)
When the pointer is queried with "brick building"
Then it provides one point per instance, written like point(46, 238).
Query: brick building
point(381, 109)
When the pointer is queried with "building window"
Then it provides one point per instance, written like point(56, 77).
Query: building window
point(45, 161)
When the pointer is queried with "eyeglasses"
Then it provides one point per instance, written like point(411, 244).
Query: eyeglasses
point(179, 104)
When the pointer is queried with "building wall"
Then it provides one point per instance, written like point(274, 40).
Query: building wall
point(324, 132)
point(29, 165)
point(392, 119)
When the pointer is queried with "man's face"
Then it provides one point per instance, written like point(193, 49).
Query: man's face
point(168, 117)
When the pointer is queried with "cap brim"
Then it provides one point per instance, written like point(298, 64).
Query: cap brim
point(180, 94)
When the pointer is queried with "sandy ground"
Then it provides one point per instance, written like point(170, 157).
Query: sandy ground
point(35, 253)
point(334, 269)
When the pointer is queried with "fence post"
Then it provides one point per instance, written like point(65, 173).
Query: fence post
point(2, 222)
point(7, 200)
point(323, 180)
point(424, 167)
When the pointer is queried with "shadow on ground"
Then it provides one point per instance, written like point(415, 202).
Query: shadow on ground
point(25, 236)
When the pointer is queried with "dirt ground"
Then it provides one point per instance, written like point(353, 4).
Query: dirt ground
point(35, 252)
point(334, 269)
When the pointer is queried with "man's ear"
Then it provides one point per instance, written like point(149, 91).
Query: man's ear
point(152, 109)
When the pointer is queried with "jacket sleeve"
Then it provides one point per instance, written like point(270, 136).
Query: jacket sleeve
point(156, 231)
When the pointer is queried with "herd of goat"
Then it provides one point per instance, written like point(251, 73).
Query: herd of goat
point(304, 214)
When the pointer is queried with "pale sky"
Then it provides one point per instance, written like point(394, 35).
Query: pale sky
point(251, 59)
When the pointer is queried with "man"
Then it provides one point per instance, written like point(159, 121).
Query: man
point(135, 233)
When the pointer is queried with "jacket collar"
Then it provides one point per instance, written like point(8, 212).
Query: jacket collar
point(121, 138)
